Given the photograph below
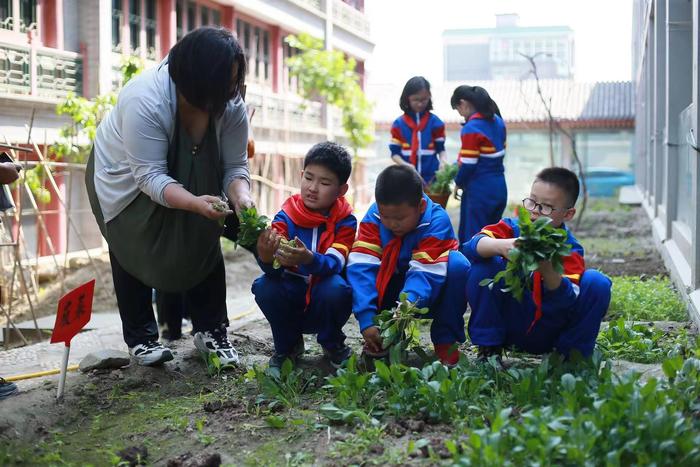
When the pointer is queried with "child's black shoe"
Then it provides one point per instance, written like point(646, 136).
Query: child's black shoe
point(278, 359)
point(337, 354)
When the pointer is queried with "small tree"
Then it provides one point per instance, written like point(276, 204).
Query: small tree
point(331, 76)
point(76, 138)
point(556, 127)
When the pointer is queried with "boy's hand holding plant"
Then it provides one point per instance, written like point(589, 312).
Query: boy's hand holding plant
point(292, 253)
point(540, 247)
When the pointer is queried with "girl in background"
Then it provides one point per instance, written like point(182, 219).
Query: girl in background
point(418, 136)
point(481, 173)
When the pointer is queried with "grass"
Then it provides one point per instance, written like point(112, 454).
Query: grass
point(649, 299)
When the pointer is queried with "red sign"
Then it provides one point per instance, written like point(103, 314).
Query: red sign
point(74, 310)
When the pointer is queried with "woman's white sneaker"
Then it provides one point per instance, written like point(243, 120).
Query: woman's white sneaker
point(151, 353)
point(216, 342)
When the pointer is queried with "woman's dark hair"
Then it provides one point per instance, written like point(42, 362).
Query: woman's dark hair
point(200, 65)
point(414, 85)
point(477, 97)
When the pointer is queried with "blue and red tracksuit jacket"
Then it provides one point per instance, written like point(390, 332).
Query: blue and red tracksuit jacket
point(549, 300)
point(419, 148)
point(420, 255)
point(325, 263)
point(483, 149)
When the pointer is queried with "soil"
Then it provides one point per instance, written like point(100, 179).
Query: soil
point(179, 415)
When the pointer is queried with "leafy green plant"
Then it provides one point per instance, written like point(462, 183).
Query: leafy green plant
point(285, 385)
point(202, 437)
point(640, 342)
point(214, 365)
point(332, 76)
point(649, 298)
point(538, 242)
point(251, 226)
point(443, 183)
point(399, 327)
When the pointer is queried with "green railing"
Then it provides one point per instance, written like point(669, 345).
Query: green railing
point(29, 70)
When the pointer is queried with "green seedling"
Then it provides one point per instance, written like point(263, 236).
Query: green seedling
point(399, 327)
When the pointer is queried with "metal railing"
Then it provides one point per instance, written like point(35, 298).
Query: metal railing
point(32, 70)
point(349, 18)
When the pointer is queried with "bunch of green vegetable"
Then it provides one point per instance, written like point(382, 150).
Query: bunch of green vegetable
point(283, 241)
point(220, 206)
point(444, 179)
point(399, 326)
point(538, 242)
point(250, 227)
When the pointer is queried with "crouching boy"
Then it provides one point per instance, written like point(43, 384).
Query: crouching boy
point(308, 294)
point(406, 243)
point(564, 311)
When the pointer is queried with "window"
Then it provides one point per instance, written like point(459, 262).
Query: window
point(27, 15)
point(21, 20)
point(191, 16)
point(179, 11)
point(6, 14)
point(141, 18)
point(256, 47)
point(117, 20)
point(135, 25)
point(290, 81)
point(151, 29)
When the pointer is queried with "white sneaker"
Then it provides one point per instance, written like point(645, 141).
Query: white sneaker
point(216, 342)
point(151, 353)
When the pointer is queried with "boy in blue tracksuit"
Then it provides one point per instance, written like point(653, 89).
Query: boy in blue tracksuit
point(481, 173)
point(406, 244)
point(418, 136)
point(308, 294)
point(564, 311)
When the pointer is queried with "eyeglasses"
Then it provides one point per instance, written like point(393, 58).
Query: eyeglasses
point(544, 209)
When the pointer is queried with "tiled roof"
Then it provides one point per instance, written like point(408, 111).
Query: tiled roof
point(520, 102)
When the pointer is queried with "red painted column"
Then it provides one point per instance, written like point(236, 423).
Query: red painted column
point(167, 25)
point(228, 19)
point(50, 20)
point(360, 68)
point(277, 58)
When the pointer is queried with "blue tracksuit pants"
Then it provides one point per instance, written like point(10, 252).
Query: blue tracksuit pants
point(483, 202)
point(283, 301)
point(448, 310)
point(497, 319)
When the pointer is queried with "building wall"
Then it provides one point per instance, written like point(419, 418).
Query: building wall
point(484, 54)
point(666, 58)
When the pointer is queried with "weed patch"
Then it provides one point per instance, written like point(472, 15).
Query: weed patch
point(645, 299)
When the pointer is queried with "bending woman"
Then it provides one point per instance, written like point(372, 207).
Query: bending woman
point(164, 159)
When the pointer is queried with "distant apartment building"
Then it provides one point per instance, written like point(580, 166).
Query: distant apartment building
point(50, 48)
point(497, 53)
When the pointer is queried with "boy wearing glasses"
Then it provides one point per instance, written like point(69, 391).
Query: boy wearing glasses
point(572, 304)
